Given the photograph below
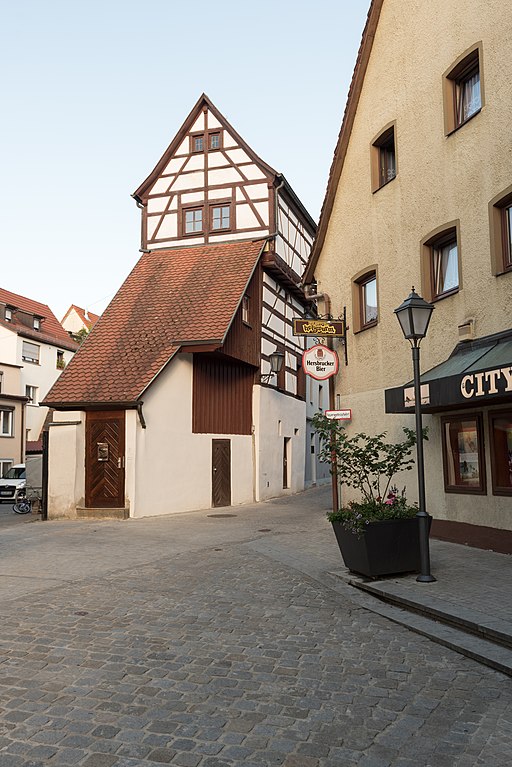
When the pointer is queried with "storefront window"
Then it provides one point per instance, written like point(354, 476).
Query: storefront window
point(464, 466)
point(501, 453)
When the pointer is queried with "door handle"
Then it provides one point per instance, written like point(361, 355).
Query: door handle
point(120, 462)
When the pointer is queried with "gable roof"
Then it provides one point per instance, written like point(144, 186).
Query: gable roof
point(51, 331)
point(88, 318)
point(203, 101)
point(340, 152)
point(185, 295)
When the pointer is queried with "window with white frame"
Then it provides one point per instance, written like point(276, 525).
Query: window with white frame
point(6, 422)
point(30, 352)
point(31, 393)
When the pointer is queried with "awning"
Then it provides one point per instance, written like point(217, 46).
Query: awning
point(477, 373)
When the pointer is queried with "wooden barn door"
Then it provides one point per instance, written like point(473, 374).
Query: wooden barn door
point(221, 472)
point(104, 460)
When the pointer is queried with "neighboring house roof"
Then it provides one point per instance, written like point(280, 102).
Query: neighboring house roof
point(88, 318)
point(340, 152)
point(185, 295)
point(51, 331)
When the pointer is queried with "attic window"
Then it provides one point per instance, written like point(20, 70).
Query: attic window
point(37, 323)
point(197, 143)
point(215, 140)
point(8, 314)
point(193, 220)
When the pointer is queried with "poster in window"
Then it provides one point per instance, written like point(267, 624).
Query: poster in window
point(469, 470)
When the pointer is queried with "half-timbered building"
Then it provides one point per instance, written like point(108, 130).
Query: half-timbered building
point(171, 404)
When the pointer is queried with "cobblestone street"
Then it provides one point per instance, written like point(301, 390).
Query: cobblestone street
point(200, 641)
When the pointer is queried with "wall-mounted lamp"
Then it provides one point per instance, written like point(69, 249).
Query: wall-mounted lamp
point(276, 364)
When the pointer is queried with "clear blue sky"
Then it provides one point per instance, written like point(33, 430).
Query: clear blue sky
point(94, 91)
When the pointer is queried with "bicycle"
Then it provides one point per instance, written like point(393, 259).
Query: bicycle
point(25, 497)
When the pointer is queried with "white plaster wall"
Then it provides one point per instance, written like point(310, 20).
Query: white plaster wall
point(66, 467)
point(9, 347)
point(278, 416)
point(170, 469)
point(43, 376)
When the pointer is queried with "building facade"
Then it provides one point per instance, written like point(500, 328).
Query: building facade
point(34, 349)
point(420, 194)
point(171, 404)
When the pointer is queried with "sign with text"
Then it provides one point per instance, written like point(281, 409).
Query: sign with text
point(319, 328)
point(339, 415)
point(320, 362)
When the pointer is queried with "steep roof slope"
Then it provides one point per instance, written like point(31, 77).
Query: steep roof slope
point(171, 297)
point(51, 330)
point(340, 152)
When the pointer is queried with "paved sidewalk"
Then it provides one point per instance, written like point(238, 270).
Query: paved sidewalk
point(205, 641)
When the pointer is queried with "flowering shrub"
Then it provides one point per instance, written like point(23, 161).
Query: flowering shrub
point(367, 463)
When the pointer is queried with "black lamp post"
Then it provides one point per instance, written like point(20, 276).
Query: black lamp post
point(414, 316)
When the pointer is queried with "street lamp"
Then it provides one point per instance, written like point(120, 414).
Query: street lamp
point(414, 316)
point(276, 363)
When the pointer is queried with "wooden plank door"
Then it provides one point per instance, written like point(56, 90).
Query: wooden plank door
point(104, 459)
point(221, 472)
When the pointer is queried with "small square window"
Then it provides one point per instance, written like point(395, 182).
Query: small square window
point(221, 217)
point(193, 220)
point(440, 264)
point(31, 393)
point(383, 158)
point(197, 143)
point(464, 465)
point(462, 87)
point(30, 352)
point(214, 140)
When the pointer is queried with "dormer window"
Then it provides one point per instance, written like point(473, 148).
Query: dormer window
point(8, 314)
point(37, 323)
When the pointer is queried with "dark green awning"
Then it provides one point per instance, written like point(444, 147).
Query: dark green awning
point(477, 373)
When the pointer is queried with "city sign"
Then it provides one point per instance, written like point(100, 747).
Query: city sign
point(339, 415)
point(320, 362)
point(319, 328)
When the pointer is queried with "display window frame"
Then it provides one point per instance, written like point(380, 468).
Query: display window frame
point(495, 415)
point(481, 488)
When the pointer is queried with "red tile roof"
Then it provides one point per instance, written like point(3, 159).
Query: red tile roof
point(171, 297)
point(51, 330)
point(89, 319)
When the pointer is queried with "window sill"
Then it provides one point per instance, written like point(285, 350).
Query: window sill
point(386, 183)
point(462, 124)
point(504, 270)
point(466, 490)
point(368, 326)
point(30, 362)
point(448, 293)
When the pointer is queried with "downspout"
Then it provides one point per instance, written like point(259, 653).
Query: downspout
point(141, 414)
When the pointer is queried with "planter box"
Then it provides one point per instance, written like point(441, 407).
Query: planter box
point(383, 548)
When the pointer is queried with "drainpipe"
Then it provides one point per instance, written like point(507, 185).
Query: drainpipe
point(141, 414)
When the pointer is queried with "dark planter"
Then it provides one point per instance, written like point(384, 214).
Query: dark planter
point(383, 548)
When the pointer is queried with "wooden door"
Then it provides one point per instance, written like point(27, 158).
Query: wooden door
point(221, 472)
point(104, 459)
